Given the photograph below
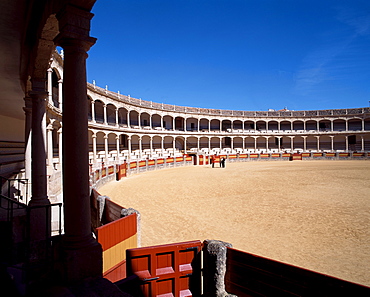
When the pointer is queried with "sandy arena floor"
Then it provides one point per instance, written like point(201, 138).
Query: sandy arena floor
point(313, 214)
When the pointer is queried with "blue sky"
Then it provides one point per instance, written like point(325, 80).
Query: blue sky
point(234, 54)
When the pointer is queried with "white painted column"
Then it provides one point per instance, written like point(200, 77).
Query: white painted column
point(255, 143)
point(185, 149)
point(318, 126)
point(50, 86)
point(173, 124)
point(139, 118)
point(279, 141)
point(198, 124)
point(279, 128)
point(291, 126)
point(304, 143)
point(346, 125)
point(304, 125)
point(128, 119)
point(346, 141)
point(267, 143)
point(150, 121)
point(220, 143)
point(209, 126)
point(243, 142)
point(362, 143)
point(331, 125)
point(161, 123)
point(60, 93)
point(198, 141)
point(363, 125)
point(151, 147)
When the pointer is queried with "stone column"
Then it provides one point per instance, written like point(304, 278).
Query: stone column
point(173, 124)
point(292, 143)
point(267, 143)
point(279, 141)
point(279, 126)
point(362, 143)
point(162, 145)
point(185, 145)
point(318, 143)
point(140, 147)
point(106, 148)
point(363, 125)
point(39, 179)
point(332, 142)
point(161, 123)
point(28, 138)
point(209, 126)
point(60, 148)
point(304, 125)
point(93, 111)
point(129, 146)
point(331, 125)
point(198, 142)
point(346, 142)
point(118, 149)
point(173, 145)
point(117, 117)
point(60, 93)
point(198, 124)
point(94, 147)
point(220, 143)
point(50, 86)
point(346, 125)
point(304, 143)
point(50, 129)
point(82, 257)
point(128, 119)
point(318, 125)
point(139, 118)
point(151, 147)
point(243, 142)
point(105, 114)
point(255, 144)
point(150, 121)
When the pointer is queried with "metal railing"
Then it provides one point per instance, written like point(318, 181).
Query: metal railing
point(15, 188)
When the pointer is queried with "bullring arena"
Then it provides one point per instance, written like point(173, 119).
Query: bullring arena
point(312, 214)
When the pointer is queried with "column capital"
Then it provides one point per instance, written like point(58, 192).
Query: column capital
point(74, 24)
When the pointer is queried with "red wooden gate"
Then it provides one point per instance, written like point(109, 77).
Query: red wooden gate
point(167, 270)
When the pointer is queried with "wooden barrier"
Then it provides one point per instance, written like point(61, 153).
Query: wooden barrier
point(115, 238)
point(297, 157)
point(251, 275)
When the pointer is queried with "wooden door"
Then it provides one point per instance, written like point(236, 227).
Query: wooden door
point(167, 270)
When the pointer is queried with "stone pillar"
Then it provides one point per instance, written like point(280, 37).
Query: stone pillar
point(318, 143)
point(331, 125)
point(105, 114)
point(243, 142)
point(209, 144)
point(279, 126)
point(150, 121)
point(214, 253)
point(198, 125)
point(93, 111)
point(173, 146)
point(346, 125)
point(39, 179)
point(292, 143)
point(94, 148)
point(220, 143)
point(332, 143)
point(161, 123)
point(129, 146)
point(151, 147)
point(304, 143)
point(128, 119)
point(185, 149)
point(118, 149)
point(362, 143)
point(117, 117)
point(363, 125)
point(139, 118)
point(140, 147)
point(346, 142)
point(318, 126)
point(106, 148)
point(50, 86)
point(173, 124)
point(60, 148)
point(82, 257)
point(255, 144)
point(209, 126)
point(50, 144)
point(267, 143)
point(28, 138)
point(60, 93)
point(279, 141)
point(162, 144)
point(304, 125)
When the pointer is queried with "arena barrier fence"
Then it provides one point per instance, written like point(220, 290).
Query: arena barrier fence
point(107, 173)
